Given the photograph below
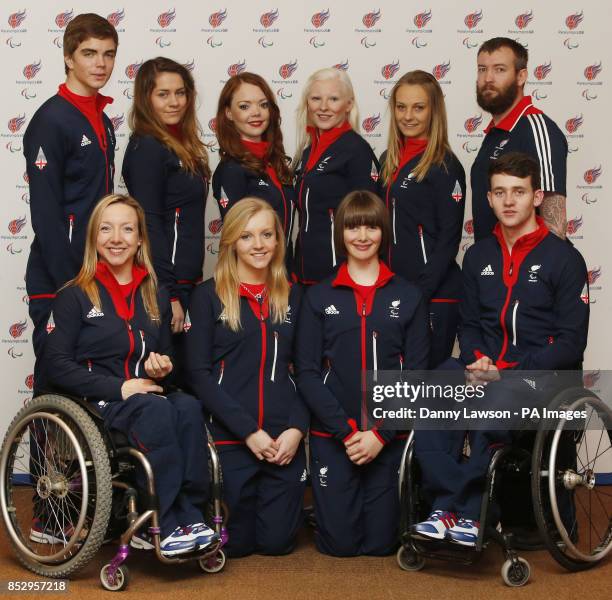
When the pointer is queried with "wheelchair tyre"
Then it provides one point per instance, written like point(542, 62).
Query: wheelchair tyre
point(119, 582)
point(409, 560)
point(516, 574)
point(214, 564)
point(572, 511)
point(65, 485)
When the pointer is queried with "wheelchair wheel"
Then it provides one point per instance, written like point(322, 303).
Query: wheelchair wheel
point(55, 486)
point(409, 560)
point(573, 509)
point(516, 574)
point(214, 564)
point(118, 582)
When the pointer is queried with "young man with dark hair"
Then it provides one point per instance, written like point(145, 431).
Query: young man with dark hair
point(525, 306)
point(517, 126)
point(69, 147)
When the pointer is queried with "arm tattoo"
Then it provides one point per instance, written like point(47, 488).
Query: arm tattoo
point(553, 211)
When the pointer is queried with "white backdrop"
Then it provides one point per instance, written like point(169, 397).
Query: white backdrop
point(569, 50)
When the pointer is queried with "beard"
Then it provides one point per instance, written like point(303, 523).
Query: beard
point(496, 105)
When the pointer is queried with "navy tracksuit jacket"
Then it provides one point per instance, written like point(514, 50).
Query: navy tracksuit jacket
point(91, 351)
point(243, 380)
point(526, 129)
point(232, 181)
point(526, 310)
point(68, 172)
point(347, 164)
point(174, 201)
point(342, 336)
point(426, 223)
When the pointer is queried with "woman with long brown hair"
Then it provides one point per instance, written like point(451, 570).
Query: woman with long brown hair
point(110, 343)
point(424, 185)
point(239, 347)
point(166, 169)
point(253, 160)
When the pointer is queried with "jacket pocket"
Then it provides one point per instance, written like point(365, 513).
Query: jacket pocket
point(70, 227)
point(331, 236)
point(142, 353)
point(275, 353)
point(514, 317)
point(177, 213)
point(306, 209)
point(221, 372)
point(422, 240)
point(374, 356)
point(393, 221)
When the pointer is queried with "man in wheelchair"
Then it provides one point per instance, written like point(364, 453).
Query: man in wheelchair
point(111, 344)
point(525, 307)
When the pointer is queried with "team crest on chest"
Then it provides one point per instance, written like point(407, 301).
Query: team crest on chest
point(288, 315)
point(533, 273)
point(321, 166)
point(394, 309)
point(457, 194)
point(408, 179)
point(499, 148)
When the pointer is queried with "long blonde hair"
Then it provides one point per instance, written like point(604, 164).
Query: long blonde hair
point(143, 120)
point(437, 136)
point(86, 278)
point(227, 282)
point(303, 140)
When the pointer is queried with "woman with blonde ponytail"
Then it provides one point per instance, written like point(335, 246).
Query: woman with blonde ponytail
point(110, 342)
point(238, 355)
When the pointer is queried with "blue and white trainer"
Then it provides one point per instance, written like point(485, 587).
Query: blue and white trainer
point(436, 525)
point(465, 532)
point(204, 536)
point(180, 541)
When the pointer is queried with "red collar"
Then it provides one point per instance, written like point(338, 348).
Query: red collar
point(258, 310)
point(260, 150)
point(522, 247)
point(322, 140)
point(91, 107)
point(107, 279)
point(410, 148)
point(344, 279)
point(176, 131)
point(508, 123)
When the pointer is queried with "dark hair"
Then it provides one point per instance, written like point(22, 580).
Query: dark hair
point(228, 137)
point(143, 120)
point(361, 207)
point(516, 164)
point(521, 56)
point(83, 27)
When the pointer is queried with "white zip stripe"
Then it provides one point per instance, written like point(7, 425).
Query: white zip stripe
point(331, 218)
point(274, 361)
point(288, 240)
point(221, 374)
point(423, 244)
point(176, 218)
point(306, 205)
point(401, 360)
point(70, 227)
point(548, 151)
point(142, 353)
point(293, 382)
point(374, 356)
point(394, 235)
point(326, 375)
point(516, 304)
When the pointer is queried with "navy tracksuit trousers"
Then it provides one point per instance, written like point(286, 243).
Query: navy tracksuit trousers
point(170, 432)
point(264, 501)
point(356, 507)
point(443, 321)
point(449, 480)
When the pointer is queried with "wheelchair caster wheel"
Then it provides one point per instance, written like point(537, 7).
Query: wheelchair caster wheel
point(408, 560)
point(213, 564)
point(516, 574)
point(119, 582)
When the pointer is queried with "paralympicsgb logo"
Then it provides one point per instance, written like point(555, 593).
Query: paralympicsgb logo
point(370, 123)
point(30, 71)
point(523, 19)
point(166, 18)
point(15, 19)
point(389, 70)
point(288, 69)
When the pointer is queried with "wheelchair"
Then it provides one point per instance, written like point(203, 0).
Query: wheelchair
point(572, 501)
point(59, 466)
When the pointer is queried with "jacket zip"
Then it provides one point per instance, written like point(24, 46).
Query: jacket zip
point(288, 240)
point(502, 316)
point(291, 380)
point(374, 356)
point(70, 227)
point(177, 212)
point(333, 248)
point(126, 364)
point(514, 311)
point(275, 351)
point(401, 362)
point(262, 364)
point(142, 353)
point(327, 375)
point(221, 372)
point(306, 206)
point(393, 221)
point(422, 243)
point(364, 410)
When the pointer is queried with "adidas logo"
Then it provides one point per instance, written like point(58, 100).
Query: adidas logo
point(531, 383)
point(488, 270)
point(332, 310)
point(94, 312)
point(85, 141)
point(304, 475)
point(262, 182)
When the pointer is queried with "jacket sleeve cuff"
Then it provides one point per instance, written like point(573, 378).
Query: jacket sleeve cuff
point(354, 429)
point(381, 439)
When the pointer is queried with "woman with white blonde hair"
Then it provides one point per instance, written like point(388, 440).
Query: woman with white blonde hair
point(238, 355)
point(332, 160)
